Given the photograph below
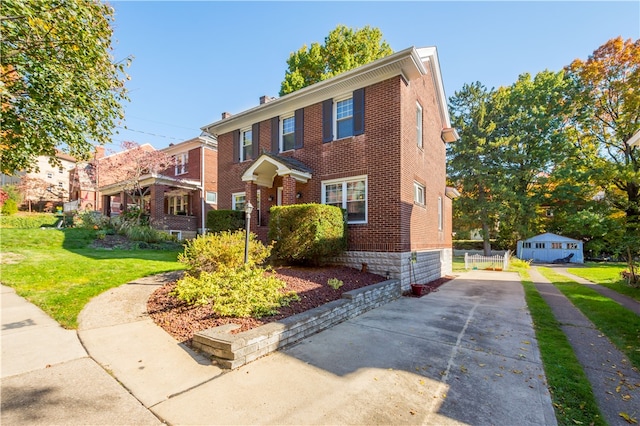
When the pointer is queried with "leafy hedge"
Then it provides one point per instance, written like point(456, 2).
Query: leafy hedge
point(225, 220)
point(307, 233)
point(28, 220)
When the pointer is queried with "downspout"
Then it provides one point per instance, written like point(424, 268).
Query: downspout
point(202, 193)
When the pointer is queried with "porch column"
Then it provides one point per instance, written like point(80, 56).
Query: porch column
point(123, 202)
point(288, 190)
point(156, 206)
point(251, 195)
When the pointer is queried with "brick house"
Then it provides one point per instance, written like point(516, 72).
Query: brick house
point(370, 140)
point(178, 198)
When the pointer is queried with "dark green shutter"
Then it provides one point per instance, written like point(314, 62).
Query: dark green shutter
point(358, 112)
point(299, 132)
point(327, 121)
point(275, 135)
point(236, 145)
point(255, 141)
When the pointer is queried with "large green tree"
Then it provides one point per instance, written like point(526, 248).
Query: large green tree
point(343, 49)
point(472, 165)
point(60, 86)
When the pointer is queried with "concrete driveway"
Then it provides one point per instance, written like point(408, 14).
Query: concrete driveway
point(466, 354)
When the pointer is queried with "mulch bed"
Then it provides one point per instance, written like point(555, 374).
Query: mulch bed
point(183, 321)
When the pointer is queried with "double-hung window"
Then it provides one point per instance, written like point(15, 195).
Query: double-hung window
point(246, 144)
point(349, 194)
point(288, 133)
point(419, 124)
point(344, 118)
point(211, 197)
point(177, 204)
point(181, 163)
point(418, 193)
point(238, 201)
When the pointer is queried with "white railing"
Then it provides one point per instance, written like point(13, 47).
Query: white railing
point(478, 261)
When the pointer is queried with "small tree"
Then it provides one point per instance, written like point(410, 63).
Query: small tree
point(128, 168)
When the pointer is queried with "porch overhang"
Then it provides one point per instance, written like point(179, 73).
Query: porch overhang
point(148, 180)
point(267, 166)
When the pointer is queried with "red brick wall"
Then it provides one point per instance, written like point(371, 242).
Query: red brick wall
point(386, 153)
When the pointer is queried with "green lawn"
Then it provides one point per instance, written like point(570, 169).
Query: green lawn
point(571, 394)
point(607, 275)
point(56, 271)
point(619, 324)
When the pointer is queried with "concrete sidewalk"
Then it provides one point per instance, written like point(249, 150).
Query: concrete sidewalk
point(47, 377)
point(466, 354)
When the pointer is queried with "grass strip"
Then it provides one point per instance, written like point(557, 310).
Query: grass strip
point(55, 270)
point(608, 275)
point(618, 323)
point(571, 393)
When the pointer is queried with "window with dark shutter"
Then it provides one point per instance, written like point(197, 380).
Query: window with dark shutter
point(255, 149)
point(358, 112)
point(327, 121)
point(275, 135)
point(236, 145)
point(299, 119)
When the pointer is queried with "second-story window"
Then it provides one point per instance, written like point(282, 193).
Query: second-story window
point(288, 138)
point(246, 144)
point(181, 163)
point(419, 124)
point(344, 118)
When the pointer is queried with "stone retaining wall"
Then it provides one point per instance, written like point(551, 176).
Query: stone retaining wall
point(235, 350)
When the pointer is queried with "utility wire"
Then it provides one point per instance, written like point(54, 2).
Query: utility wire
point(147, 133)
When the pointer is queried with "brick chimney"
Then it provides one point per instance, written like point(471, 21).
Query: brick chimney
point(99, 152)
point(266, 99)
point(226, 115)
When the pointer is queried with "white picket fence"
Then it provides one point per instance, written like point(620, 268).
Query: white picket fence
point(478, 261)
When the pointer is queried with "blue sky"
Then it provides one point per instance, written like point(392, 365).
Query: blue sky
point(195, 60)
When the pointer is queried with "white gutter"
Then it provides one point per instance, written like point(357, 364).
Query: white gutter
point(202, 192)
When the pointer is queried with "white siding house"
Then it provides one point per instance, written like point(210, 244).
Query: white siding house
point(549, 247)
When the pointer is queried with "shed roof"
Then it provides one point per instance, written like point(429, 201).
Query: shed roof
point(548, 236)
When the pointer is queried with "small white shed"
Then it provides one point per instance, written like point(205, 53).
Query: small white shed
point(548, 247)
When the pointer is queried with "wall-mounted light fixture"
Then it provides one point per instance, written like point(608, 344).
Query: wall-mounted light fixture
point(270, 197)
point(299, 195)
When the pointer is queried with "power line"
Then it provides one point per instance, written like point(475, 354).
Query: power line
point(160, 122)
point(147, 133)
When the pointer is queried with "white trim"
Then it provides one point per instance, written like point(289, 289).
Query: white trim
point(243, 132)
point(334, 117)
point(215, 197)
point(182, 163)
point(344, 182)
point(417, 188)
point(635, 139)
point(279, 170)
point(233, 198)
point(440, 214)
point(177, 233)
point(281, 132)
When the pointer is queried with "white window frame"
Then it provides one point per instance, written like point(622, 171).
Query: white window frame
point(282, 134)
point(418, 194)
point(211, 197)
point(419, 125)
point(279, 192)
point(556, 246)
point(182, 160)
point(243, 132)
point(178, 203)
point(526, 245)
point(335, 115)
point(234, 201)
point(344, 182)
point(60, 184)
point(440, 214)
point(49, 175)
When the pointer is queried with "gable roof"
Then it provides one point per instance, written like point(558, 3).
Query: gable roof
point(409, 63)
point(549, 236)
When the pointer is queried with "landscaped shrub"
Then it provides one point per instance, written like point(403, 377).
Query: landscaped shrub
point(28, 220)
point(307, 233)
point(244, 291)
point(207, 253)
point(225, 220)
point(91, 220)
point(146, 234)
point(9, 207)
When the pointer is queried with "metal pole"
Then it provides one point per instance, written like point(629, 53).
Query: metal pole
point(247, 211)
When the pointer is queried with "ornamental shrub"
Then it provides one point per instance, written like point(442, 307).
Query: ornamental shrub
point(225, 220)
point(244, 291)
point(207, 253)
point(28, 220)
point(9, 207)
point(307, 233)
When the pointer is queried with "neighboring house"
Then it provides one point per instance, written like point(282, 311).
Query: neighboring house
point(47, 186)
point(370, 140)
point(83, 189)
point(176, 199)
point(549, 247)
